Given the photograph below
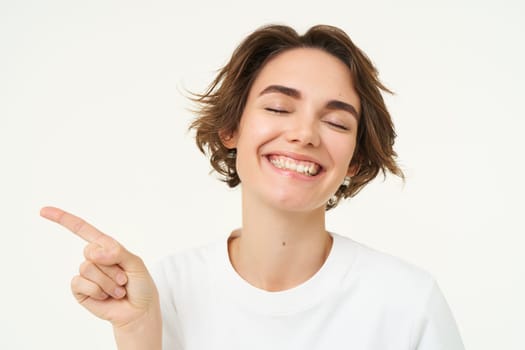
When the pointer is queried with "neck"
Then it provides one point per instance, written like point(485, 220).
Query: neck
point(277, 250)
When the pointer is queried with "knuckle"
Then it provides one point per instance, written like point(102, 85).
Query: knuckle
point(77, 226)
point(87, 251)
point(75, 281)
point(138, 259)
point(85, 268)
point(116, 250)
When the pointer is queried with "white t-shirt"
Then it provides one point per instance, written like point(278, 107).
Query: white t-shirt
point(360, 299)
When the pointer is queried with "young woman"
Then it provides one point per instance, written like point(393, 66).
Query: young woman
point(299, 121)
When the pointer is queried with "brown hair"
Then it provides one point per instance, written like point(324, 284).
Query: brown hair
point(220, 107)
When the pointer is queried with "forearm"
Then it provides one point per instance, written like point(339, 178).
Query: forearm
point(144, 334)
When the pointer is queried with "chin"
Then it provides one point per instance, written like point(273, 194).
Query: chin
point(297, 205)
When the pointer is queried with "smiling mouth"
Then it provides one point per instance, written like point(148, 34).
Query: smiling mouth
point(300, 167)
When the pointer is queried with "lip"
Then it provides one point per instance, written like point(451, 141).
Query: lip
point(290, 173)
point(294, 174)
point(296, 156)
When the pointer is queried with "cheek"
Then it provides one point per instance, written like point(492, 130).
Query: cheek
point(256, 131)
point(252, 136)
point(342, 149)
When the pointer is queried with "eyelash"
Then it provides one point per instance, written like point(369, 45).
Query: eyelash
point(283, 111)
point(277, 111)
point(339, 126)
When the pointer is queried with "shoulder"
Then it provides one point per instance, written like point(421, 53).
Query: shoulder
point(374, 262)
point(387, 277)
point(404, 293)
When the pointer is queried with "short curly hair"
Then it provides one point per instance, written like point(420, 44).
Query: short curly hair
point(220, 107)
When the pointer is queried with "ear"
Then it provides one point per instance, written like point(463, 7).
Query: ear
point(228, 139)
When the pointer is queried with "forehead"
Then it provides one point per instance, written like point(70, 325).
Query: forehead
point(312, 71)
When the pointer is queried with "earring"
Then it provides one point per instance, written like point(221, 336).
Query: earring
point(332, 202)
point(232, 153)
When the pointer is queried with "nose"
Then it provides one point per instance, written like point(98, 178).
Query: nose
point(304, 131)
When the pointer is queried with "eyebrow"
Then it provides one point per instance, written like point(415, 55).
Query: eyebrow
point(296, 94)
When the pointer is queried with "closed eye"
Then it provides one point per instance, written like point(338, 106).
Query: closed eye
point(276, 110)
point(339, 126)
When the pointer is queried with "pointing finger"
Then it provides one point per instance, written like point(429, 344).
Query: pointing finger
point(109, 252)
point(73, 223)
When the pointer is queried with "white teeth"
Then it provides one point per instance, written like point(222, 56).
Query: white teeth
point(310, 169)
point(306, 168)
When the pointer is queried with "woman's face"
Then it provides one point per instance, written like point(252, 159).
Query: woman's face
point(298, 131)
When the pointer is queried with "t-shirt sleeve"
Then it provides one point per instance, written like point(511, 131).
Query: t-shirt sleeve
point(171, 331)
point(436, 329)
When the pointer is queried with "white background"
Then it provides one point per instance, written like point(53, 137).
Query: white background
point(93, 120)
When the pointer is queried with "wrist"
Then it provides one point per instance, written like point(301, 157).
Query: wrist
point(141, 334)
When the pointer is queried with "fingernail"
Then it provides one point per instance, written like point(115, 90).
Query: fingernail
point(120, 292)
point(121, 279)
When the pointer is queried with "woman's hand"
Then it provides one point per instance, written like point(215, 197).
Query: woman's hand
point(113, 284)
